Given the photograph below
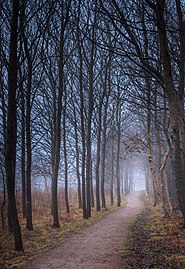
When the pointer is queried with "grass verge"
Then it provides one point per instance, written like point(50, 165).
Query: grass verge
point(43, 237)
point(154, 242)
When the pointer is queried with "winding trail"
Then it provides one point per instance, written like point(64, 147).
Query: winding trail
point(95, 247)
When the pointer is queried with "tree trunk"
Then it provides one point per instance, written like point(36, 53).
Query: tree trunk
point(57, 135)
point(3, 201)
point(157, 191)
point(104, 138)
point(92, 187)
point(88, 143)
point(65, 157)
point(23, 162)
point(112, 174)
point(181, 78)
point(176, 111)
point(98, 161)
point(10, 158)
point(85, 215)
point(29, 224)
point(77, 161)
point(118, 119)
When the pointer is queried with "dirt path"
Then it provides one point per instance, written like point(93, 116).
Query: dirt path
point(95, 247)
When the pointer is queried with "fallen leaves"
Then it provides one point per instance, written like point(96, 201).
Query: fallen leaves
point(43, 237)
point(154, 242)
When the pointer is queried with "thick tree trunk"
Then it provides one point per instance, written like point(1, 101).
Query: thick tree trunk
point(157, 190)
point(181, 79)
point(10, 158)
point(3, 201)
point(164, 187)
point(176, 111)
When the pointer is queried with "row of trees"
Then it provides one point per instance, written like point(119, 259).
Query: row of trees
point(83, 85)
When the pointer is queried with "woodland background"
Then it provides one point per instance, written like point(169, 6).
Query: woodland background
point(91, 106)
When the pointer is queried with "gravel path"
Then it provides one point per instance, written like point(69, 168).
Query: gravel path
point(95, 247)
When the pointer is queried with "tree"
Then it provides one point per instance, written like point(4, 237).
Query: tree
point(10, 160)
point(167, 79)
point(65, 13)
point(65, 152)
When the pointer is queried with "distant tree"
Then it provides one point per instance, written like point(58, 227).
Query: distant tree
point(171, 79)
point(65, 151)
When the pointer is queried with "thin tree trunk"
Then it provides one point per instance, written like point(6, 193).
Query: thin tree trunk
point(118, 119)
point(29, 224)
point(77, 161)
point(157, 191)
point(112, 174)
point(57, 120)
point(88, 143)
point(85, 214)
point(23, 162)
point(164, 186)
point(57, 137)
point(104, 138)
point(92, 187)
point(98, 162)
point(65, 157)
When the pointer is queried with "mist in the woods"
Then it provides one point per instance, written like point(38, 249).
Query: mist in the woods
point(91, 109)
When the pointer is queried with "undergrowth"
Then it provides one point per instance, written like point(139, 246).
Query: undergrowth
point(43, 237)
point(154, 242)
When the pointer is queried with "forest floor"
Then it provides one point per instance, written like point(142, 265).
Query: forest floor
point(135, 236)
point(154, 241)
point(95, 247)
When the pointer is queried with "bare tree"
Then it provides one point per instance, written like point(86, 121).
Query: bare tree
point(12, 126)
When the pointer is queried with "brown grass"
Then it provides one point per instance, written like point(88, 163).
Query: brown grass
point(155, 242)
point(43, 237)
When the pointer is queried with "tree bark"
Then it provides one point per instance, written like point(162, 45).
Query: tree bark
point(65, 156)
point(23, 153)
point(88, 143)
point(98, 150)
point(10, 158)
point(112, 174)
point(157, 190)
point(173, 102)
point(118, 120)
point(29, 224)
point(92, 187)
point(104, 139)
point(77, 159)
point(85, 214)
